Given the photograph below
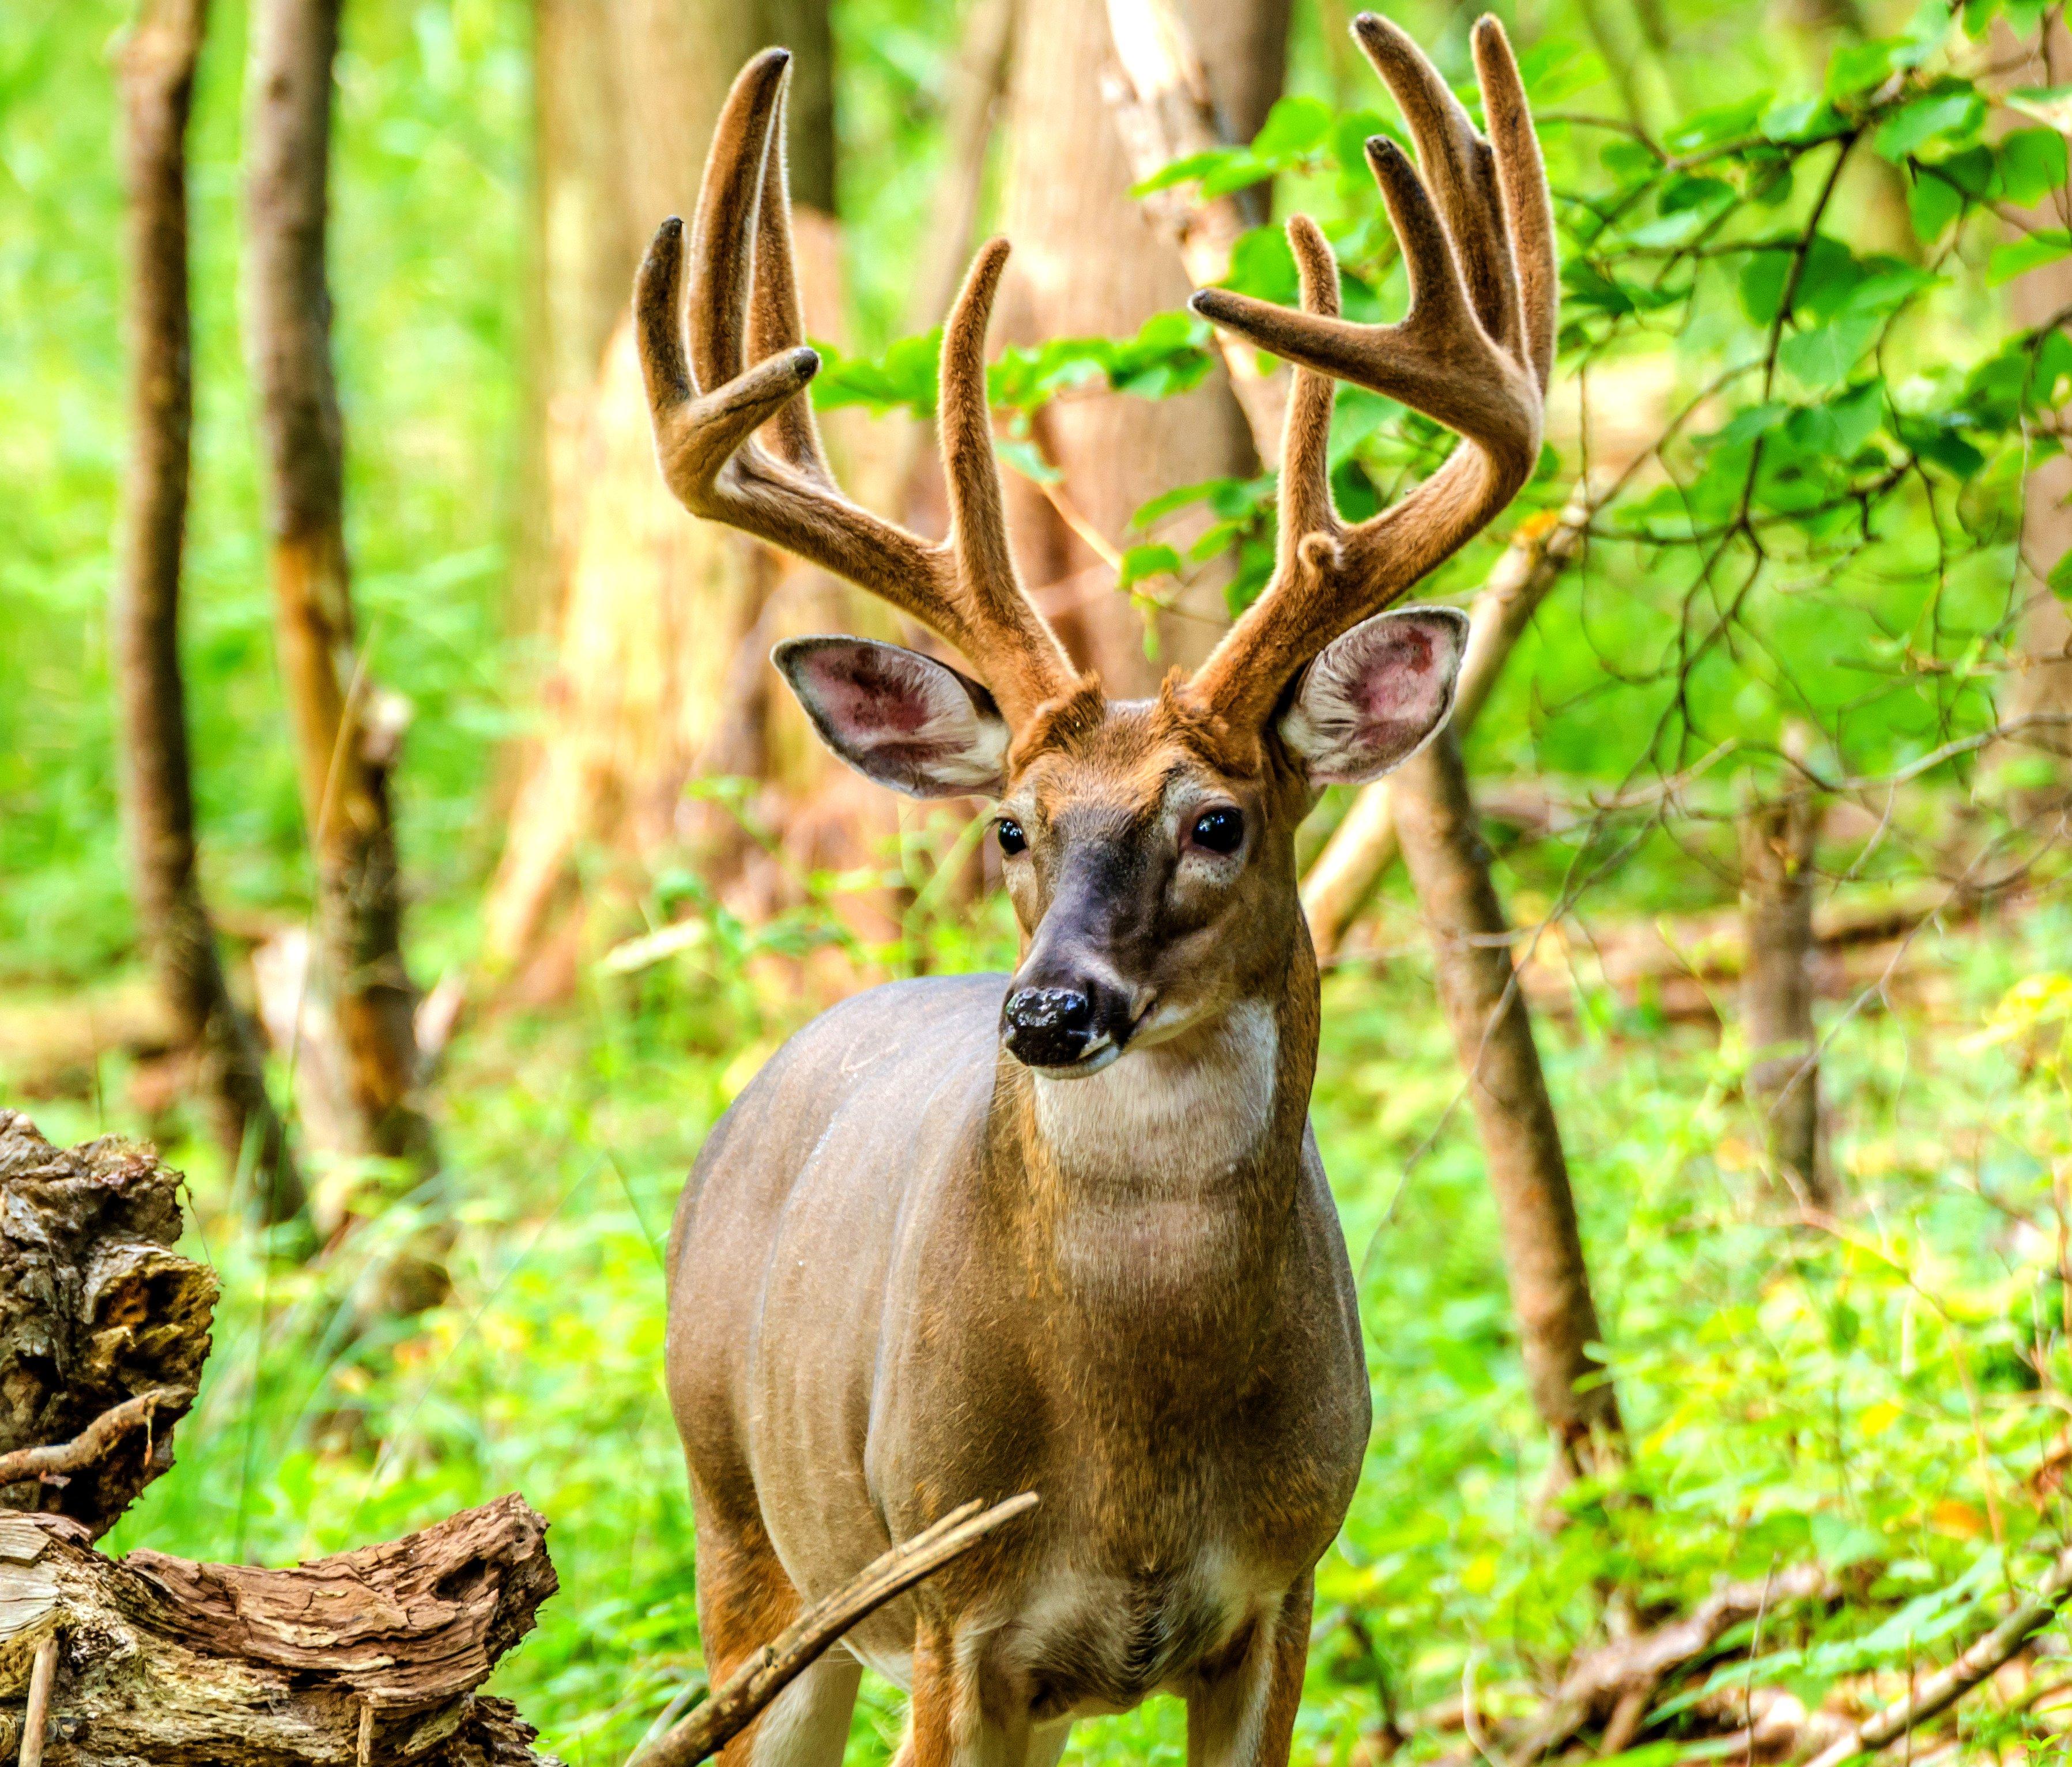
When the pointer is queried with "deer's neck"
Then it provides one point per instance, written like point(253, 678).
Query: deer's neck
point(1163, 1181)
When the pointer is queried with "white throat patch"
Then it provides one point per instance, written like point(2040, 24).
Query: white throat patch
point(1179, 1116)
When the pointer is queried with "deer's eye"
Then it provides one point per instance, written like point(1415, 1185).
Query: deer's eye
point(1011, 840)
point(1219, 831)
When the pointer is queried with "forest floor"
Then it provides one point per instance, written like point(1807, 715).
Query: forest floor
point(1862, 1391)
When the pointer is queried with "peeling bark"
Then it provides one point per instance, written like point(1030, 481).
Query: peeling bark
point(1088, 262)
point(372, 1655)
point(157, 81)
point(96, 1308)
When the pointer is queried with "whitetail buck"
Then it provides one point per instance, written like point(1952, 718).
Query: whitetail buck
point(1068, 1230)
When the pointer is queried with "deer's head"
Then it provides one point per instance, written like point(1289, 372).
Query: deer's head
point(1149, 845)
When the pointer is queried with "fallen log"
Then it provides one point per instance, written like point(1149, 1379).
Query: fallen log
point(371, 1656)
point(97, 1311)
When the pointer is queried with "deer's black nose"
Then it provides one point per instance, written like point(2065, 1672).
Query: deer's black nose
point(1047, 1027)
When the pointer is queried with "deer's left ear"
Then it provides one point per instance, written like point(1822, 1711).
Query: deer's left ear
point(901, 718)
point(1376, 695)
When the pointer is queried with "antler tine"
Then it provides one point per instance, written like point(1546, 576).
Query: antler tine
point(1528, 205)
point(730, 197)
point(1305, 466)
point(1474, 352)
point(707, 405)
point(776, 321)
point(1457, 165)
point(971, 473)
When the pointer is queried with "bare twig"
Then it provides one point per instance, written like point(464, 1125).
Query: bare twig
point(95, 1440)
point(1606, 1680)
point(1943, 1689)
point(37, 1718)
point(741, 1699)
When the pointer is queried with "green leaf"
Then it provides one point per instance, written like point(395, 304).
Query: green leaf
point(1799, 119)
point(1140, 562)
point(1180, 497)
point(1239, 172)
point(1294, 127)
point(1746, 426)
point(1181, 172)
point(1945, 119)
point(1263, 266)
point(1932, 204)
point(1939, 442)
point(2050, 105)
point(2031, 163)
point(2017, 258)
point(1833, 277)
point(1824, 355)
point(1855, 68)
point(1349, 136)
point(1722, 123)
point(1830, 271)
point(902, 378)
point(2060, 578)
point(1841, 428)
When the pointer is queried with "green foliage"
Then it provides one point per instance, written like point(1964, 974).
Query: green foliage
point(1169, 355)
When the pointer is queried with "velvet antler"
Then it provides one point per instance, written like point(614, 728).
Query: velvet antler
point(1474, 353)
point(746, 370)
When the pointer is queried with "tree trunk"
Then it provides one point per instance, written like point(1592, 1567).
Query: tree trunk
point(1088, 262)
point(347, 731)
point(1550, 1284)
point(1777, 990)
point(2043, 686)
point(655, 609)
point(156, 79)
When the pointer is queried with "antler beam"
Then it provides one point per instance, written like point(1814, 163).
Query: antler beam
point(744, 371)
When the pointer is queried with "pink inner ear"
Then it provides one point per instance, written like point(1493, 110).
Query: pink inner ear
point(1399, 681)
point(1375, 694)
point(864, 692)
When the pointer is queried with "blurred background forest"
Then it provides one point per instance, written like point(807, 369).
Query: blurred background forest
point(509, 866)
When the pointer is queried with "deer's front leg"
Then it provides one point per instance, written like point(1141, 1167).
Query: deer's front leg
point(1245, 1717)
point(947, 1723)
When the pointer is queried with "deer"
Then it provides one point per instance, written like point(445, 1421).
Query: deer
point(1068, 1230)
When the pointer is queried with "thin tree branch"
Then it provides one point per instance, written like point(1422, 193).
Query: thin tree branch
point(83, 1449)
point(1941, 1690)
point(741, 1701)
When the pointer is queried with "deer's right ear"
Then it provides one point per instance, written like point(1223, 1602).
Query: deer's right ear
point(899, 717)
point(1376, 695)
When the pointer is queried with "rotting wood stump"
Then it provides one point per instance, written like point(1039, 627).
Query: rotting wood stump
point(96, 1309)
point(367, 1659)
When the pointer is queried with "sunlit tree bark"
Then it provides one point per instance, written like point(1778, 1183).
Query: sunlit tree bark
point(1087, 263)
point(346, 731)
point(157, 77)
